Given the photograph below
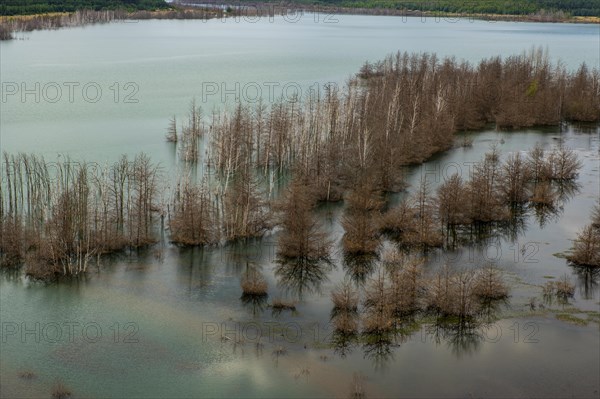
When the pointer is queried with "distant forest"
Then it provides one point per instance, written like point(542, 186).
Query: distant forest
point(506, 7)
point(24, 7)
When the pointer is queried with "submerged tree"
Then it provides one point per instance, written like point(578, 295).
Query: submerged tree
point(193, 221)
point(586, 251)
point(360, 221)
point(302, 235)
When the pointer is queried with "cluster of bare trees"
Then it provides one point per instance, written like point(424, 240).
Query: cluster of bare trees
point(28, 23)
point(302, 235)
point(495, 192)
point(401, 291)
point(396, 112)
point(350, 144)
point(60, 215)
point(8, 25)
point(586, 251)
point(228, 204)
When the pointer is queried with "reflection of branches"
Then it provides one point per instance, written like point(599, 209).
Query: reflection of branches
point(559, 193)
point(490, 309)
point(545, 213)
point(516, 226)
point(587, 279)
point(463, 336)
point(343, 343)
point(359, 267)
point(278, 352)
point(378, 348)
point(301, 275)
point(566, 190)
point(256, 303)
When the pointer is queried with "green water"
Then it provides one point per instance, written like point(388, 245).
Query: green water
point(150, 324)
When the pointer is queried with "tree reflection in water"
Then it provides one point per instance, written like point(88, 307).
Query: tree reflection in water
point(255, 303)
point(587, 278)
point(559, 194)
point(359, 267)
point(378, 347)
point(462, 336)
point(299, 276)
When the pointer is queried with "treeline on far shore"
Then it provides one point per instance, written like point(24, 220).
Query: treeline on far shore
point(9, 25)
point(506, 10)
point(31, 7)
point(352, 145)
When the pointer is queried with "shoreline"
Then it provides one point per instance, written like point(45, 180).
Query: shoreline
point(9, 25)
point(264, 8)
point(210, 10)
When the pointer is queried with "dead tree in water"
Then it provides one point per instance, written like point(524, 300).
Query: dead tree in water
point(361, 220)
point(514, 179)
point(302, 236)
point(378, 318)
point(406, 282)
point(194, 219)
point(245, 213)
point(344, 314)
point(451, 196)
point(484, 196)
point(191, 134)
point(563, 164)
point(144, 184)
point(413, 223)
point(12, 242)
point(586, 251)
